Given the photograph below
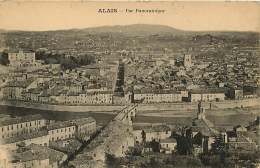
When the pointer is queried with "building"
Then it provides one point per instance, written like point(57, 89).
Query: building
point(150, 133)
point(36, 137)
point(23, 60)
point(235, 93)
point(14, 90)
point(206, 95)
point(158, 96)
point(187, 61)
point(36, 156)
point(61, 130)
point(168, 145)
point(102, 97)
point(85, 126)
point(21, 125)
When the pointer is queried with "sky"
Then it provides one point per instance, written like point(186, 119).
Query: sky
point(196, 16)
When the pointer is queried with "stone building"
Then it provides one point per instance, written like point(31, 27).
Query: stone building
point(21, 125)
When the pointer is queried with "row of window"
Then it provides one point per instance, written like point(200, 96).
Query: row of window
point(8, 135)
point(21, 125)
point(63, 130)
point(61, 138)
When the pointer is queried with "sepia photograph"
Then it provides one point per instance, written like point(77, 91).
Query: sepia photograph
point(89, 84)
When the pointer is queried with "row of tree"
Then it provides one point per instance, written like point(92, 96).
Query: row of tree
point(66, 62)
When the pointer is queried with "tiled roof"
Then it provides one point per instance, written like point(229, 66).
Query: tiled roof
point(26, 136)
point(60, 124)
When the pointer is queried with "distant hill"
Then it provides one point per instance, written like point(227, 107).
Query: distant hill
point(136, 29)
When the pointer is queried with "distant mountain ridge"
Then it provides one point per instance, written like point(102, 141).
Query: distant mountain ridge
point(134, 29)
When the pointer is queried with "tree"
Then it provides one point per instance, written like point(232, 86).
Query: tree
point(111, 161)
point(143, 136)
point(155, 146)
point(4, 58)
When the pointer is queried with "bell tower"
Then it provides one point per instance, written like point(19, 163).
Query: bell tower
point(187, 61)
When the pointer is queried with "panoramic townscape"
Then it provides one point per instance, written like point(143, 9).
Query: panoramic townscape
point(129, 96)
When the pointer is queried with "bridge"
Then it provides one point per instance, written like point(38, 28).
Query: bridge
point(114, 139)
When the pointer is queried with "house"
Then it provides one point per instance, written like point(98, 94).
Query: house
point(150, 133)
point(240, 128)
point(232, 136)
point(36, 156)
point(168, 145)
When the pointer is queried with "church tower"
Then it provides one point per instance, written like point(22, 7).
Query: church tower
point(187, 61)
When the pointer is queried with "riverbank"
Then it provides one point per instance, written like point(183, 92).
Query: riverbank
point(183, 107)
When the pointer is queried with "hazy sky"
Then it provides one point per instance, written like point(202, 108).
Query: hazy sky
point(242, 16)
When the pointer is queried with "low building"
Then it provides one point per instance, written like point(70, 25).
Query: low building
point(61, 130)
point(37, 137)
point(102, 97)
point(235, 93)
point(150, 133)
point(85, 126)
point(207, 95)
point(158, 96)
point(21, 125)
point(168, 145)
point(36, 156)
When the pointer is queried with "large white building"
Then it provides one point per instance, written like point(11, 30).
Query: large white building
point(21, 125)
point(207, 95)
point(101, 97)
point(163, 96)
point(23, 60)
